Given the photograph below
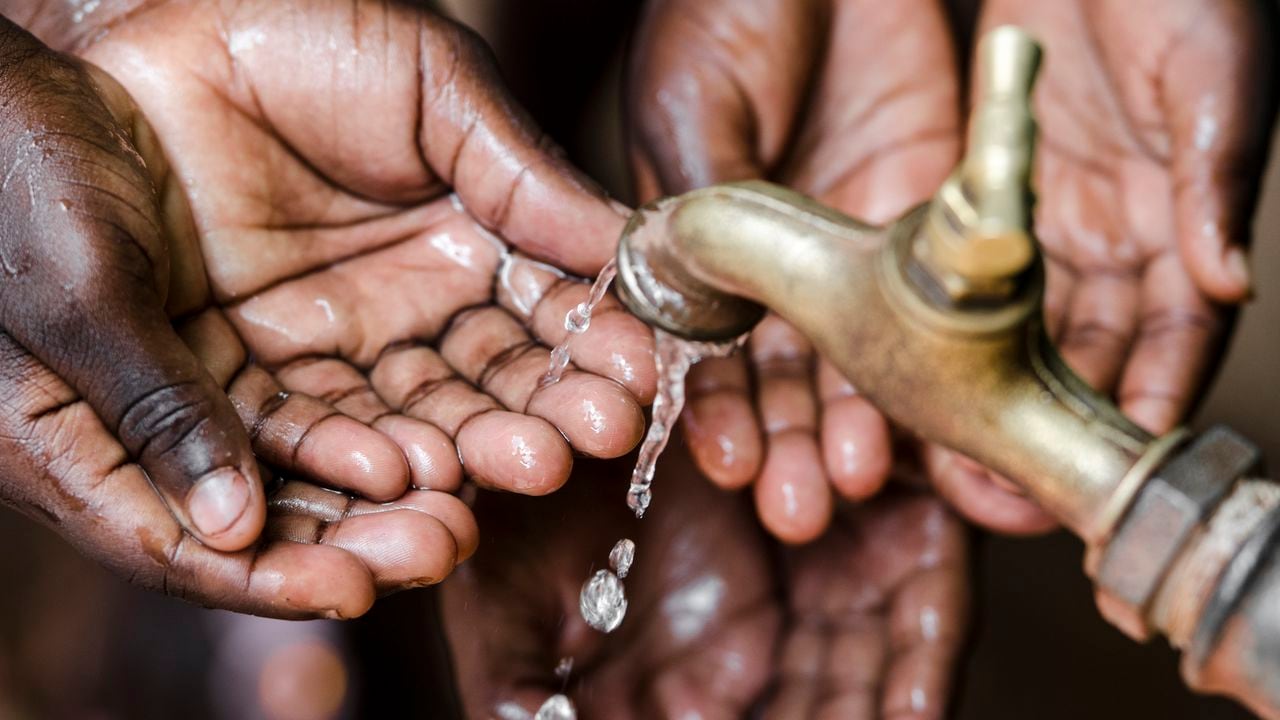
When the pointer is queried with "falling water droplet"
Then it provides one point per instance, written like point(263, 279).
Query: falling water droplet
point(603, 601)
point(621, 556)
point(557, 707)
point(564, 668)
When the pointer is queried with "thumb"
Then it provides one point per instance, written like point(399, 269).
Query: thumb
point(86, 268)
point(1219, 97)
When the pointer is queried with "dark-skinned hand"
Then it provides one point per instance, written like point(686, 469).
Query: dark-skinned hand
point(1155, 118)
point(852, 102)
point(1146, 195)
point(866, 622)
point(340, 299)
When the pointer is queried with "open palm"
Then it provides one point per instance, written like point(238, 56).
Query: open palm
point(354, 181)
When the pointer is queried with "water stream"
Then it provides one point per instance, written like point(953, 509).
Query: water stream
point(603, 600)
point(576, 322)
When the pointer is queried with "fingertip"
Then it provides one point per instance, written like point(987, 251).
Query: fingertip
point(724, 438)
point(348, 454)
point(401, 548)
point(792, 496)
point(1156, 415)
point(597, 416)
point(456, 516)
point(519, 453)
point(857, 447)
point(317, 580)
point(1222, 274)
point(976, 497)
point(432, 457)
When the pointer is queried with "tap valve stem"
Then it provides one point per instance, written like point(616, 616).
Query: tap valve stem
point(977, 239)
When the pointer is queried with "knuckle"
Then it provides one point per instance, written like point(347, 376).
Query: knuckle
point(161, 419)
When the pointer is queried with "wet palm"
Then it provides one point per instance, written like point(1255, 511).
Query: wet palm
point(357, 182)
point(350, 291)
point(865, 622)
point(1154, 123)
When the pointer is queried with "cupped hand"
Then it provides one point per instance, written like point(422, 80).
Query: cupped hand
point(700, 629)
point(375, 217)
point(867, 621)
point(878, 610)
point(143, 393)
point(1155, 118)
point(853, 102)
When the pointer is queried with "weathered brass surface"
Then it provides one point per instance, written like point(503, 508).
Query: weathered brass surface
point(985, 380)
point(978, 240)
point(936, 318)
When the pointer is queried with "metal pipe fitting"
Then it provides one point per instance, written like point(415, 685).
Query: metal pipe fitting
point(936, 318)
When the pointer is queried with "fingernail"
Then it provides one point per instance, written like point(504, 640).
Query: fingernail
point(218, 501)
point(1238, 266)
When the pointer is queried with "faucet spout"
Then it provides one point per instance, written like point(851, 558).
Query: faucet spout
point(937, 319)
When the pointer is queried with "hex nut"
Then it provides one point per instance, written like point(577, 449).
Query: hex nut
point(1151, 535)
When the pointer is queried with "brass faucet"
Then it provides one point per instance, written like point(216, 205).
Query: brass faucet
point(937, 319)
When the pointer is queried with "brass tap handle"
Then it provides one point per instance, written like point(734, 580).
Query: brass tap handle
point(979, 237)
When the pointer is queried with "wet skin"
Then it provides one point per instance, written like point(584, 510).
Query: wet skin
point(331, 272)
point(864, 623)
point(1155, 120)
point(1153, 137)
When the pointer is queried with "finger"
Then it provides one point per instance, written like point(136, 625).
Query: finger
point(507, 172)
point(108, 508)
point(414, 541)
point(498, 448)
point(720, 422)
point(85, 292)
point(1219, 96)
point(792, 495)
point(965, 485)
point(857, 446)
point(616, 345)
point(491, 349)
point(433, 460)
point(874, 144)
point(295, 432)
point(1099, 327)
point(715, 86)
point(1179, 337)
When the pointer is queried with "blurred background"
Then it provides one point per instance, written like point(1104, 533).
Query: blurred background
point(77, 643)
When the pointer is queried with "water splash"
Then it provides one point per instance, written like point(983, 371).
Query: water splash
point(576, 322)
point(674, 357)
